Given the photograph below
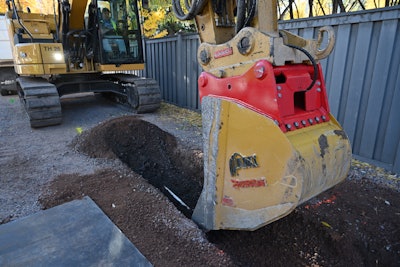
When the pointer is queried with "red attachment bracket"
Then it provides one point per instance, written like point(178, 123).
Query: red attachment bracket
point(279, 93)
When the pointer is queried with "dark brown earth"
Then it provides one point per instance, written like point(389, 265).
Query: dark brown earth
point(354, 224)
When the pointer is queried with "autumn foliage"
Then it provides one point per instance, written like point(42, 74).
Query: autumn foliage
point(36, 6)
point(158, 19)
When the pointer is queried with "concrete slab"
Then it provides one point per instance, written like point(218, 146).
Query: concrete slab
point(76, 233)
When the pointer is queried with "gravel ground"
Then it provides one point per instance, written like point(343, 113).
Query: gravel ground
point(38, 155)
point(30, 158)
point(41, 162)
point(362, 170)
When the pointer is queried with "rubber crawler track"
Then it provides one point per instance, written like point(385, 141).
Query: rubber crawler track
point(41, 101)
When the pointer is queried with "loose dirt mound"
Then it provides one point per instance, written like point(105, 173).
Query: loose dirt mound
point(152, 153)
point(354, 224)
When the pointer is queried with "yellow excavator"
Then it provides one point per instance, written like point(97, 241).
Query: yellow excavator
point(270, 142)
point(84, 46)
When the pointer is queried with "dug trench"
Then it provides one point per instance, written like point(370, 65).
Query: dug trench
point(353, 224)
point(152, 153)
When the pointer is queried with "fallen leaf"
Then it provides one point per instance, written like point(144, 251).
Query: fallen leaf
point(326, 224)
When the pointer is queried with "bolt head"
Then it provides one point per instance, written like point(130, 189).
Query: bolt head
point(259, 71)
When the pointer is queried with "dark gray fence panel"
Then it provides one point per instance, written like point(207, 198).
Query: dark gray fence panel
point(388, 141)
point(362, 76)
point(377, 86)
point(338, 69)
point(357, 80)
point(172, 62)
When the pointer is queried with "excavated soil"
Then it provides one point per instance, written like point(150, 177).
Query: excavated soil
point(353, 224)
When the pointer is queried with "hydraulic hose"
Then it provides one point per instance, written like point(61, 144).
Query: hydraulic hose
point(246, 10)
point(193, 9)
point(241, 15)
point(315, 77)
point(15, 10)
point(251, 12)
point(245, 13)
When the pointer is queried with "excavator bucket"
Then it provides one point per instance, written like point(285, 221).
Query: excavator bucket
point(270, 142)
point(261, 162)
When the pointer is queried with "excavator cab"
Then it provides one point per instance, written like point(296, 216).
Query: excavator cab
point(270, 141)
point(119, 32)
point(110, 33)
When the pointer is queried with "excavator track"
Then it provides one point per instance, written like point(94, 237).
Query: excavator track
point(146, 95)
point(41, 101)
point(143, 94)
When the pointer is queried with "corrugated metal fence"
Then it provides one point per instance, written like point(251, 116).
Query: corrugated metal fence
point(172, 61)
point(362, 76)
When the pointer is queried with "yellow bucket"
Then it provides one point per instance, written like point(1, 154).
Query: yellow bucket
point(255, 174)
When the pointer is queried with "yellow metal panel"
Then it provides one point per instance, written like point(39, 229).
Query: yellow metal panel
point(225, 60)
point(37, 26)
point(326, 153)
point(123, 67)
point(31, 69)
point(28, 53)
point(257, 139)
point(39, 36)
point(55, 68)
point(76, 18)
point(266, 17)
point(39, 59)
point(208, 31)
point(52, 53)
